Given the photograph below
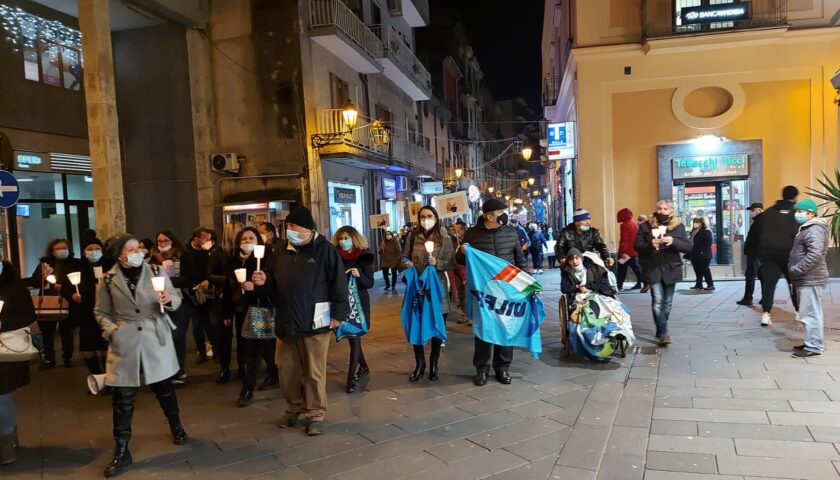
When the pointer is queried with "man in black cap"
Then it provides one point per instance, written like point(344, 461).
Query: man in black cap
point(750, 250)
point(492, 235)
point(306, 281)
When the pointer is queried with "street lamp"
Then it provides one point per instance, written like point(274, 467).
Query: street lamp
point(491, 189)
point(526, 153)
point(531, 180)
point(349, 114)
point(458, 172)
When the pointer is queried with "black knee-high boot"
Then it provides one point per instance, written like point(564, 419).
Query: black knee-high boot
point(433, 359)
point(123, 411)
point(165, 393)
point(420, 367)
point(355, 353)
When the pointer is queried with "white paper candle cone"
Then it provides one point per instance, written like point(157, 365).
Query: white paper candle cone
point(430, 247)
point(96, 383)
point(97, 272)
point(51, 278)
point(1, 305)
point(241, 275)
point(159, 283)
point(663, 230)
point(75, 278)
point(259, 253)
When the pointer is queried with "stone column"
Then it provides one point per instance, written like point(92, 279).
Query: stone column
point(103, 125)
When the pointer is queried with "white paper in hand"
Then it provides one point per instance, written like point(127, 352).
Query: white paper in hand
point(321, 318)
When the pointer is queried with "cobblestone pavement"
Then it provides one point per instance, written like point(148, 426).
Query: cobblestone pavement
point(725, 401)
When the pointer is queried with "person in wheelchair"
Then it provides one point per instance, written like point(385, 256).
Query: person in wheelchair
point(582, 275)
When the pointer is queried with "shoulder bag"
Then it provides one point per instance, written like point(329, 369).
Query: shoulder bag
point(16, 346)
point(259, 322)
point(50, 308)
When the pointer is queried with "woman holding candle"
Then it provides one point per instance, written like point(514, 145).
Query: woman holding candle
point(128, 309)
point(237, 297)
point(170, 254)
point(56, 263)
point(428, 245)
point(358, 263)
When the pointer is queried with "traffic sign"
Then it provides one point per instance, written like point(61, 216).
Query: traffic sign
point(9, 189)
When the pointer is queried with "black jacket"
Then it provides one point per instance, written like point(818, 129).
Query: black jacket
point(17, 313)
point(300, 278)
point(365, 280)
point(775, 229)
point(588, 241)
point(234, 299)
point(597, 280)
point(702, 246)
point(663, 265)
point(751, 244)
point(502, 242)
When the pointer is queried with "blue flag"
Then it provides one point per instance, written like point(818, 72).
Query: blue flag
point(502, 302)
point(422, 312)
point(356, 324)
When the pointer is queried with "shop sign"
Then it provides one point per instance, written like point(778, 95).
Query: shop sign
point(561, 140)
point(32, 161)
point(245, 207)
point(712, 166)
point(431, 188)
point(389, 188)
point(402, 183)
point(724, 12)
point(344, 195)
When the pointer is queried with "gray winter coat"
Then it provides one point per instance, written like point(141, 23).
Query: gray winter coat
point(807, 257)
point(139, 334)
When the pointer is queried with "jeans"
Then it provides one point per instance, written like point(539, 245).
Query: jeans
point(811, 314)
point(702, 271)
point(749, 276)
point(771, 271)
point(8, 414)
point(632, 263)
point(661, 297)
point(537, 260)
point(204, 325)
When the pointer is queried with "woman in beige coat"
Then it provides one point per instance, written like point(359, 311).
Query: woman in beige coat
point(128, 310)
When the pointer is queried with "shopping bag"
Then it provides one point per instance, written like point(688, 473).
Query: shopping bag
point(356, 324)
point(259, 322)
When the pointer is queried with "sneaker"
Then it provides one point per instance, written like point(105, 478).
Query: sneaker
point(747, 302)
point(314, 427)
point(805, 354)
point(799, 347)
point(664, 340)
point(179, 379)
point(765, 319)
point(289, 420)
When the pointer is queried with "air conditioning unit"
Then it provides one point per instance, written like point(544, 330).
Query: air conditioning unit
point(224, 162)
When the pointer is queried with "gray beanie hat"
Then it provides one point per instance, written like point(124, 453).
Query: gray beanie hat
point(114, 245)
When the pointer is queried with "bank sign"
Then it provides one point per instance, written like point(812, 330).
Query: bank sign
point(723, 12)
point(561, 140)
point(712, 166)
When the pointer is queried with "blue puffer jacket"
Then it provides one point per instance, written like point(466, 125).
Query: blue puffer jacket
point(807, 257)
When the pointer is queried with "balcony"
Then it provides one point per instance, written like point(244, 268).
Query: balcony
point(415, 12)
point(336, 28)
point(659, 19)
point(551, 90)
point(402, 66)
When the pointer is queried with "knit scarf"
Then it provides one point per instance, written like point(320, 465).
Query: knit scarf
point(352, 255)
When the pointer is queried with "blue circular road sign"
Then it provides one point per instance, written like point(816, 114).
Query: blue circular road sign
point(9, 189)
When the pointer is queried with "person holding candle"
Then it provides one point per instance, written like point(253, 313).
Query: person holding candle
point(170, 254)
point(202, 249)
point(56, 263)
point(16, 312)
point(428, 245)
point(240, 294)
point(659, 243)
point(358, 263)
point(128, 310)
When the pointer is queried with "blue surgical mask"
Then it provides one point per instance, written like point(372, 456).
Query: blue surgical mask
point(62, 254)
point(93, 256)
point(584, 228)
point(135, 259)
point(346, 244)
point(580, 267)
point(801, 217)
point(294, 237)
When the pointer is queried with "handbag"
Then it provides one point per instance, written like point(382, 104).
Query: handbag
point(259, 322)
point(356, 324)
point(16, 346)
point(50, 308)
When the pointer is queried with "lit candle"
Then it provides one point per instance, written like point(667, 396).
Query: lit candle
point(430, 247)
point(241, 276)
point(1, 305)
point(97, 272)
point(259, 253)
point(75, 279)
point(159, 284)
point(51, 278)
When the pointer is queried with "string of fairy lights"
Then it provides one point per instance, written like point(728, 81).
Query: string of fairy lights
point(22, 30)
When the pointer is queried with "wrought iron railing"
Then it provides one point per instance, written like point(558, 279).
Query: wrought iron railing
point(551, 89)
point(402, 55)
point(659, 19)
point(334, 13)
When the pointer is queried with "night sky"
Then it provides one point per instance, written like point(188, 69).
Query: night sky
point(506, 37)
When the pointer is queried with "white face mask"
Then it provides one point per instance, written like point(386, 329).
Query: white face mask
point(206, 246)
point(428, 223)
point(247, 247)
point(134, 259)
point(165, 249)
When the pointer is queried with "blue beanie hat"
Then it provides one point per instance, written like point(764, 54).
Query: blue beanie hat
point(580, 214)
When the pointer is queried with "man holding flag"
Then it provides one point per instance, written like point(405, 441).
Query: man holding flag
point(493, 236)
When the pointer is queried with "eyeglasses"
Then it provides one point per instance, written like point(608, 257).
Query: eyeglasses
point(164, 241)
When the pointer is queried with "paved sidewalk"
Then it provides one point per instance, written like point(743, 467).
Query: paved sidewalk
point(725, 401)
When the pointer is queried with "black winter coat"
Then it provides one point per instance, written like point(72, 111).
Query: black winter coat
point(365, 280)
point(17, 313)
point(751, 244)
point(597, 280)
point(60, 270)
point(663, 265)
point(90, 335)
point(234, 299)
point(502, 242)
point(299, 278)
point(702, 246)
point(775, 229)
point(588, 241)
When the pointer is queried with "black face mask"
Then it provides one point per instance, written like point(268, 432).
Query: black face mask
point(503, 218)
point(662, 218)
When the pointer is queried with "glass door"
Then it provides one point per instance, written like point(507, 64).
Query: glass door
point(735, 218)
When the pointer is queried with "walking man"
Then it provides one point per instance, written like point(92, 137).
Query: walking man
point(491, 235)
point(306, 281)
point(750, 250)
point(809, 274)
point(776, 229)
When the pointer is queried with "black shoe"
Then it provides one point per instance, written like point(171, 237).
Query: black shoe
point(223, 378)
point(636, 286)
point(363, 371)
point(202, 358)
point(709, 288)
point(747, 302)
point(270, 383)
point(805, 354)
point(645, 289)
point(179, 435)
point(799, 347)
point(351, 386)
point(47, 365)
point(503, 378)
point(289, 420)
point(419, 370)
point(245, 397)
point(697, 287)
point(480, 378)
point(121, 460)
point(433, 369)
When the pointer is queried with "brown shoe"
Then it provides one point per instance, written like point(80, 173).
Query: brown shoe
point(289, 420)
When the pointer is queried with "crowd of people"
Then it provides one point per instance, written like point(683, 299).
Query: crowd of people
point(132, 326)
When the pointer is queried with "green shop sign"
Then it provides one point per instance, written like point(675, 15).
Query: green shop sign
point(712, 166)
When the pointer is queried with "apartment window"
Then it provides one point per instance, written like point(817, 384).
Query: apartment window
point(375, 14)
point(382, 113)
point(52, 52)
point(427, 143)
point(356, 7)
point(339, 91)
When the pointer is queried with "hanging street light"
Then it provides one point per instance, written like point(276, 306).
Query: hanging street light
point(491, 189)
point(380, 133)
point(531, 180)
point(349, 114)
point(526, 153)
point(458, 172)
